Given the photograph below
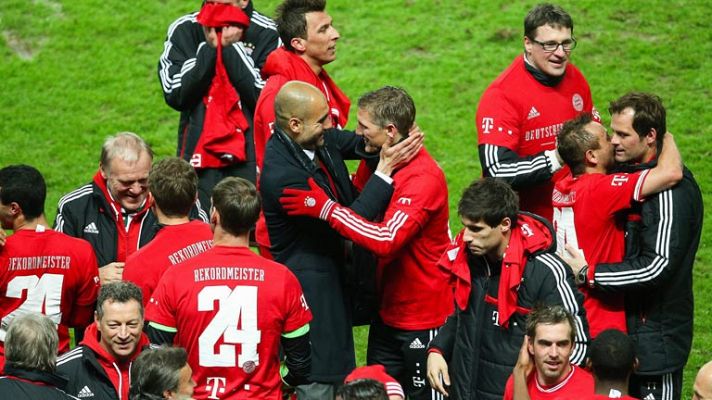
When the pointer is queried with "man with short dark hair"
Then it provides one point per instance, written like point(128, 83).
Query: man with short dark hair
point(99, 367)
point(162, 373)
point(521, 112)
point(232, 309)
point(589, 204)
point(662, 238)
point(415, 296)
point(543, 369)
point(41, 270)
point(173, 184)
point(612, 361)
point(189, 69)
point(113, 212)
point(502, 265)
point(31, 350)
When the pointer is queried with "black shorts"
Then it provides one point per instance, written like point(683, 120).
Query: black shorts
point(404, 355)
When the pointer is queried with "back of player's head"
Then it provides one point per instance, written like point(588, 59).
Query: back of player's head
point(174, 186)
point(126, 146)
point(297, 99)
point(238, 203)
point(649, 113)
point(549, 315)
point(574, 140)
point(489, 200)
point(31, 343)
point(612, 356)
point(362, 389)
point(24, 185)
point(291, 19)
point(155, 371)
point(546, 14)
point(389, 105)
point(118, 292)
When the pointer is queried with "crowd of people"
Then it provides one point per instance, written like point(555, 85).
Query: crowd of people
point(571, 277)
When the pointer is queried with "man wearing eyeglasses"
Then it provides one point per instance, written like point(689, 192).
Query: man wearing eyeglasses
point(522, 111)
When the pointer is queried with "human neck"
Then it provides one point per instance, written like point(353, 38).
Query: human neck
point(606, 387)
point(315, 65)
point(164, 219)
point(24, 224)
point(224, 238)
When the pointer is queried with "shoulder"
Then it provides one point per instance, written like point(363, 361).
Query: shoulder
point(263, 21)
point(76, 197)
point(182, 22)
point(547, 265)
point(71, 360)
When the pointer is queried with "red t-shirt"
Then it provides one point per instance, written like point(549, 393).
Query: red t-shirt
point(576, 384)
point(414, 233)
point(230, 307)
point(521, 114)
point(586, 216)
point(49, 272)
point(172, 245)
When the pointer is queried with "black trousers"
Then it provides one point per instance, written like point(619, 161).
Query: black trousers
point(404, 355)
point(657, 387)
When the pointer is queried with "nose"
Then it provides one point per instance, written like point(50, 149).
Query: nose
point(335, 34)
point(560, 51)
point(467, 236)
point(614, 140)
point(123, 332)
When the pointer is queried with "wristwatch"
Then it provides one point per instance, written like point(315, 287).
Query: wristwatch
point(581, 276)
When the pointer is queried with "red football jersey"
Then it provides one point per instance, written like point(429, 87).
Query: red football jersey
point(230, 307)
point(586, 216)
point(51, 273)
point(577, 383)
point(172, 245)
point(415, 292)
point(521, 114)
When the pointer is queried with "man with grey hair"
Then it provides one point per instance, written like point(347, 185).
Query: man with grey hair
point(31, 355)
point(162, 373)
point(99, 367)
point(113, 212)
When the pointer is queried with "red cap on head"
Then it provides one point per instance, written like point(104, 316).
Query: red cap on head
point(216, 15)
point(377, 372)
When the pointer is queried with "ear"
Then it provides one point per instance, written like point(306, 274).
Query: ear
point(295, 125)
point(167, 394)
point(651, 137)
point(506, 225)
point(589, 364)
point(299, 44)
point(590, 157)
point(530, 345)
point(96, 318)
point(214, 216)
point(103, 171)
point(528, 45)
point(636, 364)
point(391, 131)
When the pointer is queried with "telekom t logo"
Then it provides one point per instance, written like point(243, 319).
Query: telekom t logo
point(215, 385)
point(487, 124)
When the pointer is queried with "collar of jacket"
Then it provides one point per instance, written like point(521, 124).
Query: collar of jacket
point(42, 377)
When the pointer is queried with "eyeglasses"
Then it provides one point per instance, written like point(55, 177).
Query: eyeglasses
point(550, 47)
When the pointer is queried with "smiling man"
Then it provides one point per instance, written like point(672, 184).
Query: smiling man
point(544, 369)
point(502, 264)
point(113, 212)
point(99, 367)
point(522, 111)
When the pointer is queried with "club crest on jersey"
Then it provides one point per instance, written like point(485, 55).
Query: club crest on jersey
point(577, 102)
point(249, 367)
point(619, 180)
point(487, 124)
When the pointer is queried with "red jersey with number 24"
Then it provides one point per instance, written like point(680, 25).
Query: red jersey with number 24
point(230, 307)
